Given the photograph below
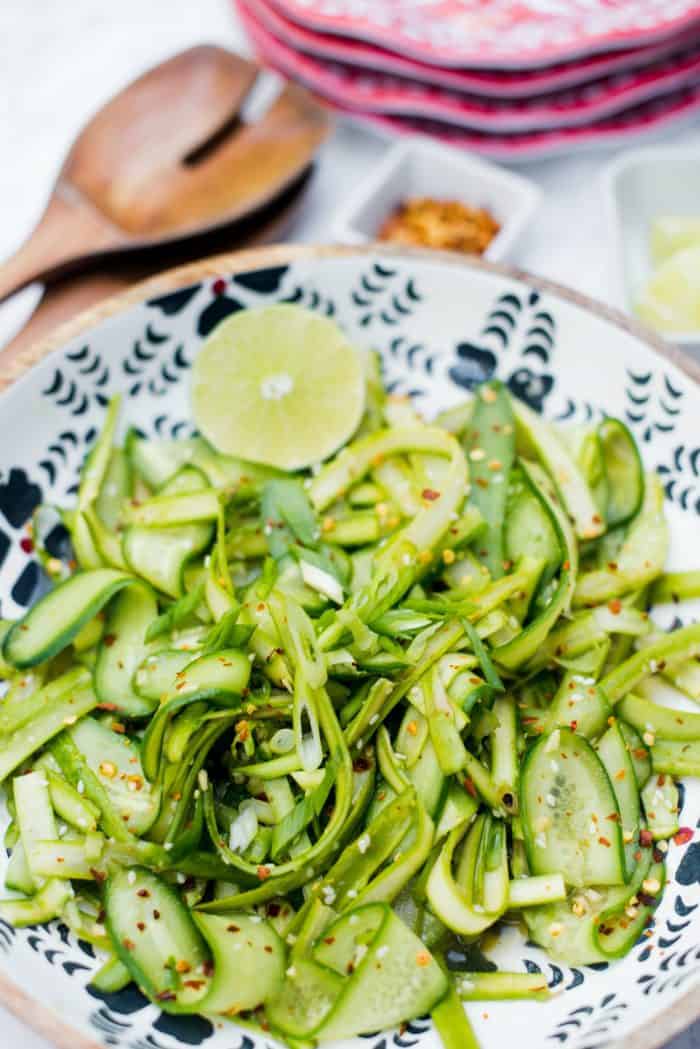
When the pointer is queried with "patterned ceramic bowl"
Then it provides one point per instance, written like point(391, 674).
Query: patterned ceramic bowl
point(442, 324)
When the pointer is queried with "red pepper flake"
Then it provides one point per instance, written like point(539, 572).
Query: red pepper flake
point(118, 728)
point(604, 841)
point(165, 996)
point(646, 838)
point(109, 640)
point(330, 940)
point(219, 286)
point(233, 928)
point(638, 855)
point(156, 915)
point(683, 836)
point(140, 926)
point(264, 873)
point(194, 984)
point(99, 876)
point(128, 944)
point(566, 566)
point(360, 765)
point(273, 910)
point(208, 968)
point(182, 966)
point(26, 544)
point(110, 707)
point(615, 606)
point(658, 856)
point(267, 949)
point(143, 893)
point(430, 494)
point(469, 787)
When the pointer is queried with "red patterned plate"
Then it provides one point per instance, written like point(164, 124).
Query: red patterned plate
point(388, 95)
point(506, 34)
point(647, 119)
point(492, 83)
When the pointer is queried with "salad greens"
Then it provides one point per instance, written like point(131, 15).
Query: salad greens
point(278, 745)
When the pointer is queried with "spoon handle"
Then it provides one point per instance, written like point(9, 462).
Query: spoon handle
point(67, 235)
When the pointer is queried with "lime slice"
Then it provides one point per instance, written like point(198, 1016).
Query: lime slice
point(278, 385)
point(672, 233)
point(671, 299)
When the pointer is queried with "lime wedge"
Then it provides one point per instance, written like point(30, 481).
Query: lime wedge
point(672, 233)
point(671, 299)
point(278, 385)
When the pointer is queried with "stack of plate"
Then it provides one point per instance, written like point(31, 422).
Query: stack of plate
point(509, 78)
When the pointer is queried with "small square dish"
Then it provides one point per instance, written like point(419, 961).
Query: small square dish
point(639, 187)
point(420, 167)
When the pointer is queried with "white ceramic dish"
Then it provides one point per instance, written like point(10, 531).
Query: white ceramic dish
point(442, 323)
point(638, 187)
point(422, 167)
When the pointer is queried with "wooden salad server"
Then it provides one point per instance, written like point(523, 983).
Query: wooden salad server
point(169, 158)
point(66, 297)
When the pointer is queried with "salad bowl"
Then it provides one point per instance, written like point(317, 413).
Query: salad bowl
point(442, 324)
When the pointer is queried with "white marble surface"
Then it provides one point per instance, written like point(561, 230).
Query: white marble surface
point(60, 61)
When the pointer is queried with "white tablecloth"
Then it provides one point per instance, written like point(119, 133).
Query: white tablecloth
point(60, 61)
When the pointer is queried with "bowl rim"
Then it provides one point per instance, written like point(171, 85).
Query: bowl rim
point(42, 1019)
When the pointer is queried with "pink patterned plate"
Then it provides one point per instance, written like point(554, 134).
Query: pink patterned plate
point(492, 83)
point(632, 125)
point(506, 34)
point(388, 95)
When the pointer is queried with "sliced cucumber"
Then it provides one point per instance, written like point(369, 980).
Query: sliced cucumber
point(249, 962)
point(529, 531)
point(305, 999)
point(526, 644)
point(554, 455)
point(459, 902)
point(661, 806)
point(219, 678)
point(156, 676)
point(115, 762)
point(639, 754)
point(623, 471)
point(617, 762)
point(161, 554)
point(154, 936)
point(55, 620)
point(568, 931)
point(114, 490)
point(121, 650)
point(395, 978)
point(578, 705)
point(570, 816)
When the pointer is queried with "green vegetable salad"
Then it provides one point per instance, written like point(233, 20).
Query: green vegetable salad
point(280, 744)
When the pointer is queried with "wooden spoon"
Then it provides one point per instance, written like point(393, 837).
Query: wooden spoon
point(169, 158)
point(70, 295)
